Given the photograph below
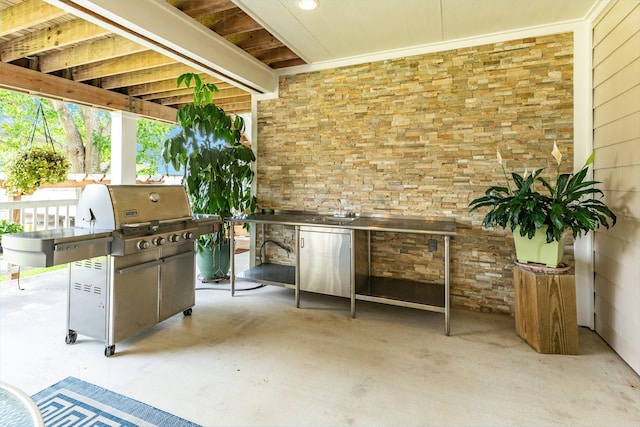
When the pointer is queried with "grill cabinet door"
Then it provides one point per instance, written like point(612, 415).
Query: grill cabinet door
point(134, 295)
point(177, 283)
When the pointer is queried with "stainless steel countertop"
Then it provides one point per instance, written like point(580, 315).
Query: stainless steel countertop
point(445, 227)
point(58, 235)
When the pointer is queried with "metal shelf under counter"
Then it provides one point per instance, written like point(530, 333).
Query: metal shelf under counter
point(403, 293)
point(364, 286)
point(270, 274)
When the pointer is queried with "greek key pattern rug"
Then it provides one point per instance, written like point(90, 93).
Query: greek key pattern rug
point(73, 402)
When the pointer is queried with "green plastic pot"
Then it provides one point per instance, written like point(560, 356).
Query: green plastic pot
point(537, 250)
point(214, 263)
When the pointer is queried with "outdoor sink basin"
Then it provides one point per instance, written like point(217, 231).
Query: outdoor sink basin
point(333, 220)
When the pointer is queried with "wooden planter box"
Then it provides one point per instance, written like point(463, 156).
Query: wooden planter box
point(545, 311)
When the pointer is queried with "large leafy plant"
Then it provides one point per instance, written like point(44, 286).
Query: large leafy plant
point(567, 204)
point(217, 166)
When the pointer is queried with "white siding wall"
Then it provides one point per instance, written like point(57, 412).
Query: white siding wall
point(616, 123)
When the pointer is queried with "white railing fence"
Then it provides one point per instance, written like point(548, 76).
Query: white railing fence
point(40, 214)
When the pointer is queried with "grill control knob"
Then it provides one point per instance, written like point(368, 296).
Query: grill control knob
point(187, 235)
point(143, 244)
point(159, 241)
point(173, 238)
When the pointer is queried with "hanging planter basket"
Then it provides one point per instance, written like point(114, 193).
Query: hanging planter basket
point(36, 165)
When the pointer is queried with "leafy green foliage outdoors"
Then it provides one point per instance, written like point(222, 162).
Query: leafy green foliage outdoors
point(34, 166)
point(7, 227)
point(17, 114)
point(150, 136)
point(567, 204)
point(217, 166)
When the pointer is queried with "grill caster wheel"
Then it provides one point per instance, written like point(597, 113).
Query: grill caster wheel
point(71, 337)
point(187, 312)
point(110, 350)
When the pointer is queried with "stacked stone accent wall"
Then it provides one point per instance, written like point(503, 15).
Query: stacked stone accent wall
point(418, 136)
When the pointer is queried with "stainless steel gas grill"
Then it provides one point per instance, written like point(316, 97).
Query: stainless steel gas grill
point(131, 255)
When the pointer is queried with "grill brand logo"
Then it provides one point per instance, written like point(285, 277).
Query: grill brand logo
point(130, 213)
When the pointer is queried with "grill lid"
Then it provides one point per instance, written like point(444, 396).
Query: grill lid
point(116, 207)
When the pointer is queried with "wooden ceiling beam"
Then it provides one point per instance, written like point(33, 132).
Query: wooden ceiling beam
point(232, 108)
point(252, 41)
point(197, 7)
point(158, 93)
point(226, 95)
point(236, 107)
point(276, 55)
point(153, 87)
point(289, 63)
point(166, 72)
point(173, 33)
point(27, 14)
point(98, 50)
point(169, 85)
point(51, 38)
point(233, 24)
point(128, 64)
point(13, 77)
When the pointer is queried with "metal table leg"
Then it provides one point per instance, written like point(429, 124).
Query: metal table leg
point(446, 286)
point(232, 257)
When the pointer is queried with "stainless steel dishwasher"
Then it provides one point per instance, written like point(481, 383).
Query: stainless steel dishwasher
point(325, 260)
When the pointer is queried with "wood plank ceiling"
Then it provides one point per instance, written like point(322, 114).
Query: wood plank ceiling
point(36, 37)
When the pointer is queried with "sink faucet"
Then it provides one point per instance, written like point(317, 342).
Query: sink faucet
point(343, 213)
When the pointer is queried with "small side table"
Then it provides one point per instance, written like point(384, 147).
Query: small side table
point(17, 409)
point(545, 311)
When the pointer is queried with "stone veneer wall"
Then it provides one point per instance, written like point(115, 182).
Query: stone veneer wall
point(418, 136)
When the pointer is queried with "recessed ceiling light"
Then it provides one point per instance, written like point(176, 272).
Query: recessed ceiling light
point(307, 4)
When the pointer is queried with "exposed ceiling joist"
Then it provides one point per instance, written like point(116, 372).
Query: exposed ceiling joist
point(89, 53)
point(27, 14)
point(184, 40)
point(119, 66)
point(156, 74)
point(56, 37)
point(164, 86)
point(49, 38)
point(186, 94)
point(231, 95)
point(13, 77)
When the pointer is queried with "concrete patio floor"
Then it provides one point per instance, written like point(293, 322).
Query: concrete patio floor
point(257, 360)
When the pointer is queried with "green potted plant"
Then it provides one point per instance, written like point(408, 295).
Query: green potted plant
point(217, 169)
point(539, 212)
point(8, 227)
point(34, 166)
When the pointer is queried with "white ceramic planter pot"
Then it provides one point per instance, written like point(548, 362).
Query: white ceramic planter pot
point(537, 249)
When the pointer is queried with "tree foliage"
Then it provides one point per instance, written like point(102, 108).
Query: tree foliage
point(82, 133)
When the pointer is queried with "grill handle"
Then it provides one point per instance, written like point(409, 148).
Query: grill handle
point(177, 256)
point(154, 263)
point(135, 225)
point(142, 266)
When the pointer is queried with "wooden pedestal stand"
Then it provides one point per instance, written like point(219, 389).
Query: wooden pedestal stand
point(545, 311)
